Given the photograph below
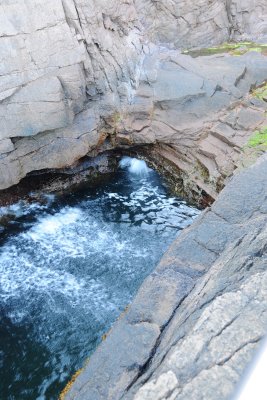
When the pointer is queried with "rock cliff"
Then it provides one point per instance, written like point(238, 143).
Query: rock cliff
point(78, 77)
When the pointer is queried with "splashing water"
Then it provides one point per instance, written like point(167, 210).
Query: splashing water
point(68, 268)
point(135, 166)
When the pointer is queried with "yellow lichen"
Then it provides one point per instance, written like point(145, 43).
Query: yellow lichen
point(69, 384)
point(72, 380)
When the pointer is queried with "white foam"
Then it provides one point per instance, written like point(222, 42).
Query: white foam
point(37, 261)
point(135, 166)
point(28, 279)
point(50, 225)
point(22, 208)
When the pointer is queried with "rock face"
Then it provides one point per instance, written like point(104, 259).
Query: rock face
point(57, 57)
point(78, 77)
point(191, 23)
point(197, 111)
point(197, 320)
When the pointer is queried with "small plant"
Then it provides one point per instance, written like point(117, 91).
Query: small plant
point(259, 139)
point(244, 49)
point(256, 145)
point(261, 92)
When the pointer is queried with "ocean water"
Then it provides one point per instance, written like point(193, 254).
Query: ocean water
point(69, 265)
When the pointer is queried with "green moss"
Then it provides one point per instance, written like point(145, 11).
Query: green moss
point(236, 49)
point(261, 92)
point(242, 50)
point(255, 147)
point(259, 139)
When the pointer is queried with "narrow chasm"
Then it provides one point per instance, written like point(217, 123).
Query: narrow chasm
point(70, 263)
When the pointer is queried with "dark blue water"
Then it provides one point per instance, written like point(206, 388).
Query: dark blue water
point(69, 266)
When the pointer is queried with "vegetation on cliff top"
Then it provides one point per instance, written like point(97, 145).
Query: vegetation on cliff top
point(235, 49)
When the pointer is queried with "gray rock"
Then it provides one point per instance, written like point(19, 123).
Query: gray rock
point(62, 57)
point(191, 24)
point(38, 107)
point(57, 149)
point(6, 146)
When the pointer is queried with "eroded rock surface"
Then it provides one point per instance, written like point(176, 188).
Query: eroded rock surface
point(191, 23)
point(197, 320)
point(66, 62)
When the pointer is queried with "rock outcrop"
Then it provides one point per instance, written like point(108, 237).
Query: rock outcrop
point(191, 23)
point(198, 318)
point(78, 77)
point(197, 112)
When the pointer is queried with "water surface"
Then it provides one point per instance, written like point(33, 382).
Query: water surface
point(69, 266)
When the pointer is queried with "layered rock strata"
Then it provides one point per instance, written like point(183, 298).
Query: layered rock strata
point(198, 318)
point(78, 77)
point(191, 23)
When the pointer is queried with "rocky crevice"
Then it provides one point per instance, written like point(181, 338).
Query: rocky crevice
point(210, 331)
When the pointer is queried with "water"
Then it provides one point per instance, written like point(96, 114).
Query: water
point(69, 266)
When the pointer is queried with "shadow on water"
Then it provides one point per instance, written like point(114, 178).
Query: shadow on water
point(69, 265)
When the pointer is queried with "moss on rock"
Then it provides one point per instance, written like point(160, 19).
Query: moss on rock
point(259, 138)
point(236, 49)
point(261, 92)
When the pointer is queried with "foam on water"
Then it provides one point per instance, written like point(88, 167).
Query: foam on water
point(135, 166)
point(51, 225)
point(71, 270)
point(21, 208)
